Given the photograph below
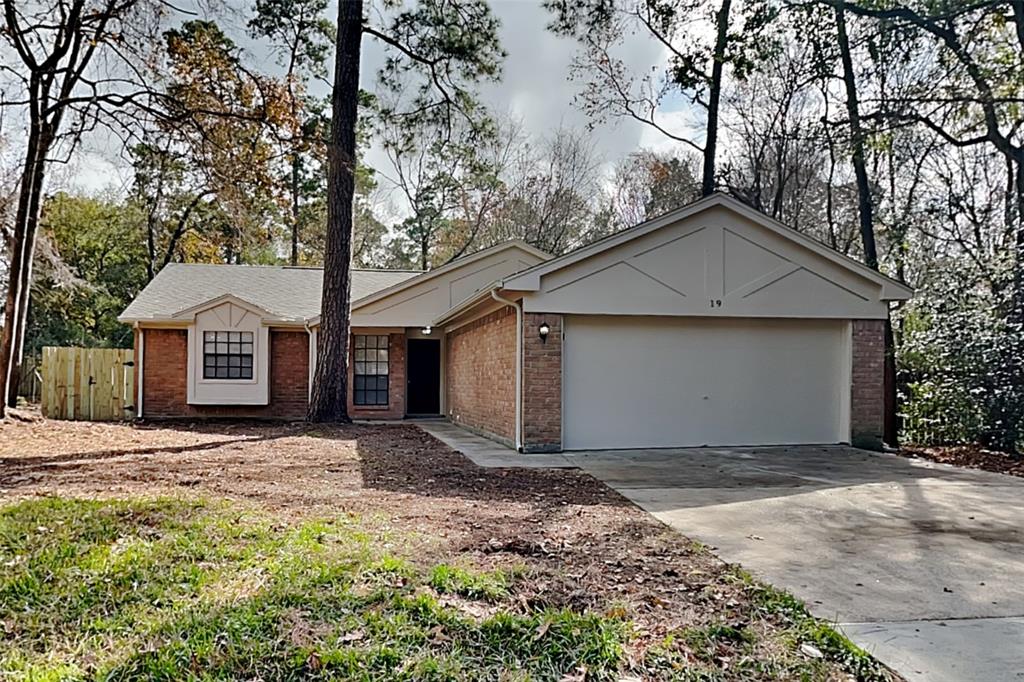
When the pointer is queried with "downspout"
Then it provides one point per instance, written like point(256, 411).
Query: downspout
point(311, 355)
point(518, 441)
point(140, 368)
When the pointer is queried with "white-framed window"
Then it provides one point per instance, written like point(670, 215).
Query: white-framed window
point(371, 370)
point(227, 355)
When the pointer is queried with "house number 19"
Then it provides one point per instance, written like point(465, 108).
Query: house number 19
point(716, 303)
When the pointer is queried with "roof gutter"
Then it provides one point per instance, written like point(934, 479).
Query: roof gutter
point(517, 436)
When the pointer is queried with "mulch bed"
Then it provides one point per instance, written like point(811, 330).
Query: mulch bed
point(582, 545)
point(970, 456)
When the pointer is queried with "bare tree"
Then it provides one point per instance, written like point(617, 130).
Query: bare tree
point(695, 70)
point(551, 194)
point(71, 62)
point(646, 184)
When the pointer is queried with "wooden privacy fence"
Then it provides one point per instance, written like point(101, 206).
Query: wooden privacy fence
point(88, 383)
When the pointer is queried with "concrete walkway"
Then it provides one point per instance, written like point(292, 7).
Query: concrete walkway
point(921, 564)
point(488, 453)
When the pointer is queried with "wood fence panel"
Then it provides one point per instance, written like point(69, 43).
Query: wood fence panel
point(88, 383)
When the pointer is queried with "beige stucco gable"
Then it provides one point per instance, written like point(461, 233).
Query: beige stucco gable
point(418, 302)
point(718, 261)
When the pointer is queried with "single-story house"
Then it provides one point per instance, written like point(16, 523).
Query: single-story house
point(710, 325)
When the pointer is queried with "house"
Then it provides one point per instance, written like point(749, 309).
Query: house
point(710, 325)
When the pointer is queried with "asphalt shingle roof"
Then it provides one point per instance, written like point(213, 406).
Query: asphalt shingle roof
point(291, 293)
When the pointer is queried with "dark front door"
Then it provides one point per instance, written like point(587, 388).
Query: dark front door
point(424, 370)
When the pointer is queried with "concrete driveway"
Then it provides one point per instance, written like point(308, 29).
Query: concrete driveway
point(921, 564)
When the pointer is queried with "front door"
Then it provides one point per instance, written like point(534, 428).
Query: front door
point(424, 380)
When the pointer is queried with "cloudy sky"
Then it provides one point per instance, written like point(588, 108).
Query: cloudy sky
point(535, 88)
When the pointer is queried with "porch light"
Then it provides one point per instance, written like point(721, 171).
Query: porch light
point(427, 330)
point(544, 331)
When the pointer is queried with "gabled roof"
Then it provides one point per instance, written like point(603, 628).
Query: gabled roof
point(398, 287)
point(457, 263)
point(529, 279)
point(285, 293)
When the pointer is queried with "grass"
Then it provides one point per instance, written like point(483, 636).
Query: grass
point(169, 590)
point(703, 654)
point(490, 586)
point(802, 627)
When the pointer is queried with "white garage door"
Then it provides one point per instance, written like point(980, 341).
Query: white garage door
point(632, 382)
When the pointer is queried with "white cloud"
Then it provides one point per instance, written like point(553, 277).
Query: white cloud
point(535, 88)
point(91, 173)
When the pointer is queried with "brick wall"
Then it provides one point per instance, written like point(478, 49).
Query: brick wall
point(542, 384)
point(289, 374)
point(867, 388)
point(480, 374)
point(165, 385)
point(395, 408)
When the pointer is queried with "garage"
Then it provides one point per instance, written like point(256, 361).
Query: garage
point(712, 325)
point(654, 382)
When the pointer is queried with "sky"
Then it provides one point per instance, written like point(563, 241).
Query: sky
point(534, 88)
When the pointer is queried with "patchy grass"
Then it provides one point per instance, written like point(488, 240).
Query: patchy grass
point(737, 649)
point(168, 589)
point(359, 552)
point(489, 586)
point(804, 629)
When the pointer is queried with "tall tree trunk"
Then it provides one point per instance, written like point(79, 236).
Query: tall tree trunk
point(330, 381)
point(890, 429)
point(295, 209)
point(864, 205)
point(22, 250)
point(1018, 265)
point(27, 262)
point(707, 185)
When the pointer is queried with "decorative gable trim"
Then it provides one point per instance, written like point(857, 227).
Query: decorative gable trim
point(236, 302)
point(530, 280)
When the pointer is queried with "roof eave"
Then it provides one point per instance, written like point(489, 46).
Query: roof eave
point(484, 293)
point(270, 321)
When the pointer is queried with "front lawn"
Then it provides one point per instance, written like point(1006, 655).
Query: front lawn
point(295, 552)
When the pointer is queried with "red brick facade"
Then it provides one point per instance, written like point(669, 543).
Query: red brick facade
point(480, 374)
point(165, 378)
point(479, 366)
point(867, 385)
point(395, 408)
point(542, 384)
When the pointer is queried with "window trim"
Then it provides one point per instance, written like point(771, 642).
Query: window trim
point(204, 340)
point(229, 316)
point(381, 342)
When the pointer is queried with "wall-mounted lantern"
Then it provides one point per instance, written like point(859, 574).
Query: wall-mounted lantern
point(544, 330)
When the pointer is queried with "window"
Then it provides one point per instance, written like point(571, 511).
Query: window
point(227, 355)
point(371, 370)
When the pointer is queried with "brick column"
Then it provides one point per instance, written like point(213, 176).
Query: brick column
point(542, 384)
point(867, 384)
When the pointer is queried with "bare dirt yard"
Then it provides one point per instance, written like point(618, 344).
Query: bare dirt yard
point(559, 541)
point(970, 456)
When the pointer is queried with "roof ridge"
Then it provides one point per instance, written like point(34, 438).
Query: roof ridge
point(291, 267)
